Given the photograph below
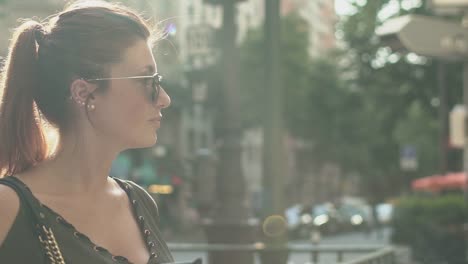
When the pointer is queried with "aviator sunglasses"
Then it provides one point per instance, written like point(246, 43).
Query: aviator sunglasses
point(151, 81)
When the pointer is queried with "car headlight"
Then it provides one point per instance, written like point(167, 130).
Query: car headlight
point(321, 219)
point(356, 220)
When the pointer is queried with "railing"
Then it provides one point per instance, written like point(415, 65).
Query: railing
point(373, 254)
point(197, 261)
point(382, 256)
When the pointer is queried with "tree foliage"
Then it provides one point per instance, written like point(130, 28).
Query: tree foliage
point(358, 106)
point(401, 96)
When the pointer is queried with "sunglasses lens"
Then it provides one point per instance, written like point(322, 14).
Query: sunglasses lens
point(156, 87)
point(153, 95)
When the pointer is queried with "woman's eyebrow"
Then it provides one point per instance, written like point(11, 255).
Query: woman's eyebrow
point(148, 70)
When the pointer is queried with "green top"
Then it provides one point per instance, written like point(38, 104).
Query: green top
point(22, 245)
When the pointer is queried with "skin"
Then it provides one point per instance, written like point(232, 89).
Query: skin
point(75, 182)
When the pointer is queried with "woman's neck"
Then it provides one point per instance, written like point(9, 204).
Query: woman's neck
point(78, 167)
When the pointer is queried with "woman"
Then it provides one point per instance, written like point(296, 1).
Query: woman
point(90, 73)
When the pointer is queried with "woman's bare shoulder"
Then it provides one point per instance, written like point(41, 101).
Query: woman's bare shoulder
point(9, 208)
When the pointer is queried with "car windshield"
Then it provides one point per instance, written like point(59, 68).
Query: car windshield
point(322, 209)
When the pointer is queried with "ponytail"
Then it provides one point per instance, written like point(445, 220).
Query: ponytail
point(22, 141)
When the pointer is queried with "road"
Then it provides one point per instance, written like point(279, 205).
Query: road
point(352, 238)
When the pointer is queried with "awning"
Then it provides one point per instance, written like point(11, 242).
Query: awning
point(437, 183)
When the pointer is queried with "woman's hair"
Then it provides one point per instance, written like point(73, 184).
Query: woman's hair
point(43, 60)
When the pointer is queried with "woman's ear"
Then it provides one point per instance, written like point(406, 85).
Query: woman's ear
point(81, 92)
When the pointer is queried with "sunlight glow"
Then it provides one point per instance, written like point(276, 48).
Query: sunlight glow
point(161, 189)
point(390, 9)
point(344, 8)
point(410, 4)
point(52, 138)
point(416, 59)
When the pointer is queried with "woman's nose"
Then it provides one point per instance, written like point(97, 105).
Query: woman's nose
point(163, 100)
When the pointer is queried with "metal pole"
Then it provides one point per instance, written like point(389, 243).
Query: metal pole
point(273, 143)
point(441, 82)
point(231, 183)
point(273, 146)
point(465, 102)
point(230, 225)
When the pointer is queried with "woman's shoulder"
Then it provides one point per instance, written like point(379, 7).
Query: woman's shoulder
point(9, 208)
point(151, 214)
point(141, 195)
point(17, 234)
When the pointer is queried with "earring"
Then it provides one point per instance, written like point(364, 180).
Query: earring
point(78, 101)
point(91, 107)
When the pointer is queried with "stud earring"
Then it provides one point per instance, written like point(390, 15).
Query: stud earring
point(78, 101)
point(91, 107)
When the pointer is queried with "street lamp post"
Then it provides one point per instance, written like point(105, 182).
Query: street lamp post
point(443, 115)
point(230, 224)
point(274, 225)
point(273, 159)
point(465, 102)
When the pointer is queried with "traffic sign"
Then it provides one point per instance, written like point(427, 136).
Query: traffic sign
point(408, 158)
point(427, 36)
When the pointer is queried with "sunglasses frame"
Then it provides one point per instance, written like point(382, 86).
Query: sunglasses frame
point(156, 84)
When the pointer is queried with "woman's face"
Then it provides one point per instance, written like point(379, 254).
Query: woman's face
point(125, 113)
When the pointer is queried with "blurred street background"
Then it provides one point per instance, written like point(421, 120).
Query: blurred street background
point(305, 122)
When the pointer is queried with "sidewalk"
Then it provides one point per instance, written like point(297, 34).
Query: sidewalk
point(403, 255)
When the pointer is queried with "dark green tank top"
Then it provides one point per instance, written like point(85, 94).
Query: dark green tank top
point(22, 246)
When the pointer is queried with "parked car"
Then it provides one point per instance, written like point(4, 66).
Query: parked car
point(299, 219)
point(326, 218)
point(355, 218)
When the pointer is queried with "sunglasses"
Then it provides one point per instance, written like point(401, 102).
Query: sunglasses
point(151, 82)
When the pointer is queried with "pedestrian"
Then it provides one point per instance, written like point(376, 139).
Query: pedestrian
point(89, 72)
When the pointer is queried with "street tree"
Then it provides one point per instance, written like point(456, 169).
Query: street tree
point(358, 106)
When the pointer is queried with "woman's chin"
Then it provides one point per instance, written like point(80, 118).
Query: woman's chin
point(146, 142)
point(151, 141)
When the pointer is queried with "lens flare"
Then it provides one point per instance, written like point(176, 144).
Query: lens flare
point(171, 29)
point(274, 226)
